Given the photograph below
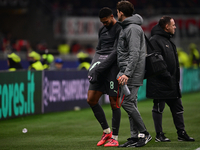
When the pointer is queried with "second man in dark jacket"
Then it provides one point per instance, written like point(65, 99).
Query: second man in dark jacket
point(164, 88)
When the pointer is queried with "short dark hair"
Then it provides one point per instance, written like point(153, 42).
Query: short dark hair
point(126, 7)
point(164, 21)
point(105, 12)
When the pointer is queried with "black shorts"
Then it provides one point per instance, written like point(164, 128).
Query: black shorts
point(107, 83)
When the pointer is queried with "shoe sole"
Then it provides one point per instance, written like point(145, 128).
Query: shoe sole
point(157, 140)
point(111, 145)
point(131, 145)
point(183, 140)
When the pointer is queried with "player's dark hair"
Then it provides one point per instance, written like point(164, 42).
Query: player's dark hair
point(164, 21)
point(105, 12)
point(126, 7)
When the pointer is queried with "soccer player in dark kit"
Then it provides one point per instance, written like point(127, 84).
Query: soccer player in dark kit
point(102, 76)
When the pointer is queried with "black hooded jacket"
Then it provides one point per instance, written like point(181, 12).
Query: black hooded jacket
point(165, 85)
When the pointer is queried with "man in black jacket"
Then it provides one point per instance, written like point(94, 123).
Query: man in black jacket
point(102, 76)
point(164, 88)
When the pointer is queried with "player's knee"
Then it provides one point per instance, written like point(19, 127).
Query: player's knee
point(113, 105)
point(158, 108)
point(91, 102)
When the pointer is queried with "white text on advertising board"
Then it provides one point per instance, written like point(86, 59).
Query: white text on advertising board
point(64, 90)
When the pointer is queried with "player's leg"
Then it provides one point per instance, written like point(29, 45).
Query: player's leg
point(93, 98)
point(176, 108)
point(94, 93)
point(132, 141)
point(111, 87)
point(157, 111)
point(132, 110)
point(116, 116)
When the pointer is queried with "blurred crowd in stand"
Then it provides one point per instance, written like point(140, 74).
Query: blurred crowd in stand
point(39, 56)
point(45, 61)
point(191, 60)
point(48, 62)
point(9, 44)
point(51, 58)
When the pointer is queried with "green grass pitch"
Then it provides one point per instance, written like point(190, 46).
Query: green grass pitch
point(79, 130)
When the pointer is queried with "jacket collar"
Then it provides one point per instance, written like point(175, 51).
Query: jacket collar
point(157, 30)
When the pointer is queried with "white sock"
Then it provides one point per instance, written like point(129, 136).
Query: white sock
point(115, 137)
point(107, 130)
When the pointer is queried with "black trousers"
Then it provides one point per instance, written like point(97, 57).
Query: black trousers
point(176, 108)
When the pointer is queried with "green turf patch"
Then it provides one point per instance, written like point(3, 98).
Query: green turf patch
point(79, 130)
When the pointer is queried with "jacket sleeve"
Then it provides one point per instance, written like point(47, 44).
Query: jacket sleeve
point(158, 49)
point(111, 57)
point(133, 41)
point(99, 43)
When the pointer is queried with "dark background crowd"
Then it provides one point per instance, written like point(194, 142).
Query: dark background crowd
point(144, 7)
point(27, 25)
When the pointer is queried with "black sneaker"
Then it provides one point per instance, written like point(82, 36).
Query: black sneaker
point(130, 143)
point(143, 139)
point(182, 136)
point(160, 137)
